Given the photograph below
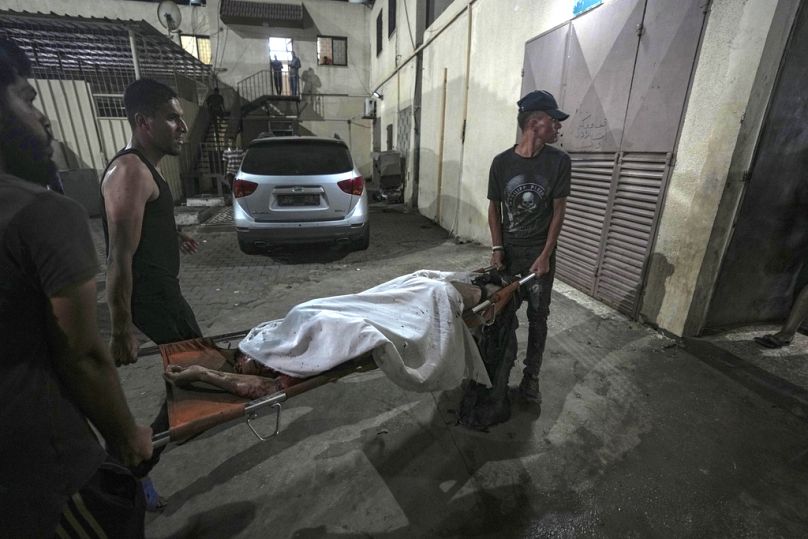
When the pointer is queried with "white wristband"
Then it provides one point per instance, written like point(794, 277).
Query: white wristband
point(497, 248)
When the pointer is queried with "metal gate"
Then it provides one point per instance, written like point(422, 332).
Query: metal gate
point(622, 71)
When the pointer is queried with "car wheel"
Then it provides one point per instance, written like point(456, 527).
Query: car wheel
point(248, 248)
point(364, 241)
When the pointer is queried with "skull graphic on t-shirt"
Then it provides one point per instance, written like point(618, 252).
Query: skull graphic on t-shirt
point(524, 200)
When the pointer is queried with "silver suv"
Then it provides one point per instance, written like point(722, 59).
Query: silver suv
point(293, 190)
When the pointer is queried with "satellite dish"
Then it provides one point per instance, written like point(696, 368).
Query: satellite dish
point(169, 15)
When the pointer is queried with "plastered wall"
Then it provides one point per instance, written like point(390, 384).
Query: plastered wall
point(242, 50)
point(339, 91)
point(732, 47)
point(499, 31)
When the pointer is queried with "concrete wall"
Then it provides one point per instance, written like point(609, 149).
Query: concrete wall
point(499, 31)
point(723, 85)
point(194, 19)
point(338, 91)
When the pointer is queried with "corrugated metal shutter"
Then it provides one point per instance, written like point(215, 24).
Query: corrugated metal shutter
point(623, 78)
point(580, 239)
point(631, 225)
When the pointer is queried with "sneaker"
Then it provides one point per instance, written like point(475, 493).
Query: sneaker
point(529, 389)
point(154, 502)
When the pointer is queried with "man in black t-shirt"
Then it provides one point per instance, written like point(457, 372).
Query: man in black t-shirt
point(55, 371)
point(528, 188)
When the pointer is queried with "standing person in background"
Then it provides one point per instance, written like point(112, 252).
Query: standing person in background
point(796, 316)
point(528, 188)
point(277, 74)
point(143, 242)
point(56, 373)
point(232, 157)
point(215, 104)
point(294, 73)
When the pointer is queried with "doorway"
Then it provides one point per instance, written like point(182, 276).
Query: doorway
point(769, 245)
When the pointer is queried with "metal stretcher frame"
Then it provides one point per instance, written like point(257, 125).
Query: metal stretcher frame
point(220, 407)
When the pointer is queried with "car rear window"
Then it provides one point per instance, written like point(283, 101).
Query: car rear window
point(295, 158)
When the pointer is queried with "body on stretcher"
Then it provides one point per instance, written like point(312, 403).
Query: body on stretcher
point(212, 385)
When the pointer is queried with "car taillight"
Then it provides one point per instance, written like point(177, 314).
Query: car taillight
point(353, 186)
point(242, 188)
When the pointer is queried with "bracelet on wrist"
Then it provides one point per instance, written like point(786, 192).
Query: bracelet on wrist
point(496, 248)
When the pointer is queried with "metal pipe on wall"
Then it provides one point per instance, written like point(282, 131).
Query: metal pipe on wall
point(135, 57)
point(440, 145)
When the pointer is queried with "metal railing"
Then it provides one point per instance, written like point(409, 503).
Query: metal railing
point(266, 83)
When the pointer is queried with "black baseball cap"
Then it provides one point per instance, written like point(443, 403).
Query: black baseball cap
point(541, 100)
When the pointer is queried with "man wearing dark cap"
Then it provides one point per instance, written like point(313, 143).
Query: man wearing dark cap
point(528, 187)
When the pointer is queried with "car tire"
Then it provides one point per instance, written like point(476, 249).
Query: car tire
point(248, 248)
point(363, 242)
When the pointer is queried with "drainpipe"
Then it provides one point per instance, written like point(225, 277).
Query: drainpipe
point(416, 139)
point(135, 58)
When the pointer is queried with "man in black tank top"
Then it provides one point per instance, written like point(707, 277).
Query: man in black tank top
point(143, 242)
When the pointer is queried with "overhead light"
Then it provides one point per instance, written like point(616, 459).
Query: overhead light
point(377, 95)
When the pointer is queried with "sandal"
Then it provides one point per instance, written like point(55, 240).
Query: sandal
point(771, 341)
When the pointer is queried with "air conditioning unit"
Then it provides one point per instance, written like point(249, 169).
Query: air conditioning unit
point(370, 108)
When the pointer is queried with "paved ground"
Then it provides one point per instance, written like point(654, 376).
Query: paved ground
point(636, 437)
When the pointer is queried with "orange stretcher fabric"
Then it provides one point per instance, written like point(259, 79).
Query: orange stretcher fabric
point(192, 411)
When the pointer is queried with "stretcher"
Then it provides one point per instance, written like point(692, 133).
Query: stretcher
point(192, 411)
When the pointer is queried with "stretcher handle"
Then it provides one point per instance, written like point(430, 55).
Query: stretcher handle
point(499, 293)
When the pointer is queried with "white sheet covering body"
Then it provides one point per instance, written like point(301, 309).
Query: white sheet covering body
point(412, 324)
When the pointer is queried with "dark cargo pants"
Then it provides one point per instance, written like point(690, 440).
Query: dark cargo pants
point(537, 293)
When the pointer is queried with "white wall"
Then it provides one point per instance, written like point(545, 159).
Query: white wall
point(242, 50)
point(732, 47)
point(499, 31)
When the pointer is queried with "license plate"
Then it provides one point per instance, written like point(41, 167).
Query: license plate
point(298, 200)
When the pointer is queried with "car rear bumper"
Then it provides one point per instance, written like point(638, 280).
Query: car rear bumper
point(351, 228)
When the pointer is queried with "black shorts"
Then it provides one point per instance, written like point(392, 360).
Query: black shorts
point(111, 504)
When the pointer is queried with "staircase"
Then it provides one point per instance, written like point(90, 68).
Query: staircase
point(211, 148)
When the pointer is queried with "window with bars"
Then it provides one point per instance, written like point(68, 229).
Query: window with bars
point(197, 46)
point(332, 50)
point(379, 32)
point(391, 17)
point(110, 106)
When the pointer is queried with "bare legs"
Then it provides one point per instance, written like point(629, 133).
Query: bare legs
point(798, 313)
